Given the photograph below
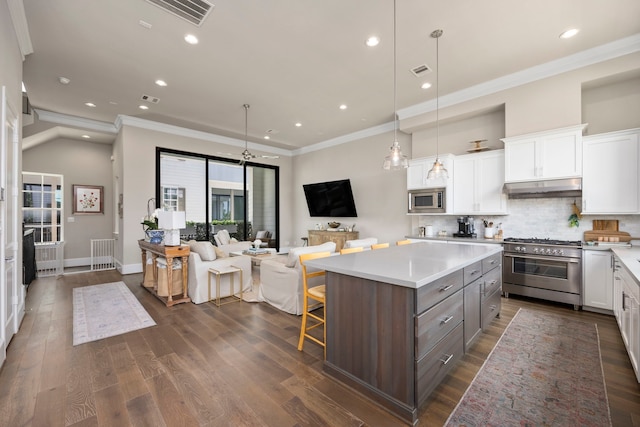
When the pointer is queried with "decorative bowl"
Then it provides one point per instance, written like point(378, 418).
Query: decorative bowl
point(333, 224)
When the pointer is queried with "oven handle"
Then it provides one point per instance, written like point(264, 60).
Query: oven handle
point(544, 258)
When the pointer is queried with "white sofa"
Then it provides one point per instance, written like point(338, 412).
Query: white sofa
point(203, 256)
point(281, 278)
point(363, 243)
point(228, 244)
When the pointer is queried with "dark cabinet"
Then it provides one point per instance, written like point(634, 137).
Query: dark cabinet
point(28, 257)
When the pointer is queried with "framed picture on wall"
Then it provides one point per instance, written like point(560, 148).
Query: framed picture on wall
point(88, 199)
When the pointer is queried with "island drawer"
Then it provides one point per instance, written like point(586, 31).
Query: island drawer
point(472, 272)
point(491, 262)
point(431, 294)
point(490, 308)
point(492, 281)
point(434, 366)
point(438, 321)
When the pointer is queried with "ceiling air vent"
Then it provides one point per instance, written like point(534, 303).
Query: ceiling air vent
point(420, 70)
point(149, 98)
point(194, 11)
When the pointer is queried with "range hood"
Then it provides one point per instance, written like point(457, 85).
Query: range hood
point(570, 187)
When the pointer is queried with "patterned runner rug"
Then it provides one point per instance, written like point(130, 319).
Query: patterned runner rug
point(546, 370)
point(106, 310)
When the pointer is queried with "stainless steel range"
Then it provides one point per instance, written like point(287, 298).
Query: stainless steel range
point(543, 268)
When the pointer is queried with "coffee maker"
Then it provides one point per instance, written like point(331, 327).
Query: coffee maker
point(465, 227)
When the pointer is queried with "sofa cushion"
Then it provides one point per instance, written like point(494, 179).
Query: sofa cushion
point(364, 243)
point(204, 249)
point(293, 259)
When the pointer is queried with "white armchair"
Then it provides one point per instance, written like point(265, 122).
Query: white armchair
point(227, 244)
point(203, 256)
point(281, 278)
point(364, 243)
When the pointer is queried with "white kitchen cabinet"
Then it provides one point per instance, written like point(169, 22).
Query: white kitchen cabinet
point(627, 312)
point(544, 155)
point(419, 168)
point(611, 173)
point(598, 279)
point(478, 180)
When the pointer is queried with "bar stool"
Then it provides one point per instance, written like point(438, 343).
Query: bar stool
point(317, 294)
point(379, 246)
point(305, 241)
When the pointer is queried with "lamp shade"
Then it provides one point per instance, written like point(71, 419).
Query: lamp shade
point(172, 220)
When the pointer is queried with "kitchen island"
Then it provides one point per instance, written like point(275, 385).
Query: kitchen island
point(395, 317)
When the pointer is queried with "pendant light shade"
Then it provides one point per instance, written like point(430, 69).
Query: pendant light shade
point(438, 171)
point(395, 159)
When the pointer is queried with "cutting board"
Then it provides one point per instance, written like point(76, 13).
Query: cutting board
point(605, 224)
point(592, 235)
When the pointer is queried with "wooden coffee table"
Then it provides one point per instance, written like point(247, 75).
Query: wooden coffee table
point(257, 259)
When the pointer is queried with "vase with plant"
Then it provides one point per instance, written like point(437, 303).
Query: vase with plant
point(150, 224)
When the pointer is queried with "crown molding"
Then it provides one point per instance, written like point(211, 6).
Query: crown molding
point(354, 136)
point(20, 26)
point(78, 122)
point(123, 120)
point(605, 52)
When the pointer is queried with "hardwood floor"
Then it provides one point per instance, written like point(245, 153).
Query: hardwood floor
point(231, 366)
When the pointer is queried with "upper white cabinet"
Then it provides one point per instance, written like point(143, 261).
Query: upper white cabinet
point(419, 168)
point(544, 155)
point(611, 178)
point(478, 180)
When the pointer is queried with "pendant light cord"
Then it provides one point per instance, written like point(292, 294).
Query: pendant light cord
point(437, 96)
point(395, 83)
point(246, 120)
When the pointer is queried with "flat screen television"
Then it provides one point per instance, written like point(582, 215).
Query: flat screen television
point(330, 199)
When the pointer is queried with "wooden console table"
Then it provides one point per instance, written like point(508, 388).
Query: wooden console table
point(318, 237)
point(168, 252)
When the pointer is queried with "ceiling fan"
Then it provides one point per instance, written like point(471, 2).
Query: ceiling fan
point(246, 154)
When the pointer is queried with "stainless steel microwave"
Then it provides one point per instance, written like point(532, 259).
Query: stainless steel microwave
point(428, 200)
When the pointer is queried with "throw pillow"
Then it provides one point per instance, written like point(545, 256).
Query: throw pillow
point(204, 249)
point(223, 236)
point(263, 235)
point(220, 253)
point(293, 259)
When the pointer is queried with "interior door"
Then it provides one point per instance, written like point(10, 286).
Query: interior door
point(11, 295)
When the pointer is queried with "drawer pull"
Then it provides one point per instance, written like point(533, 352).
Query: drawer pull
point(446, 288)
point(474, 272)
point(493, 261)
point(447, 359)
point(493, 307)
point(445, 321)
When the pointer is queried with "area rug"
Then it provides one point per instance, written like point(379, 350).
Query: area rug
point(546, 370)
point(106, 310)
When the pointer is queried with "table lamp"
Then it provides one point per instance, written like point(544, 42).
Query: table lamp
point(171, 222)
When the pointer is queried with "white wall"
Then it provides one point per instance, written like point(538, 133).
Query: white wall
point(609, 106)
point(380, 196)
point(85, 163)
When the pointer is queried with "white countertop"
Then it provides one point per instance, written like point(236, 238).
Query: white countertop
point(630, 257)
point(412, 265)
point(449, 238)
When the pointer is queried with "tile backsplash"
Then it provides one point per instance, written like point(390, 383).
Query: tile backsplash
point(542, 218)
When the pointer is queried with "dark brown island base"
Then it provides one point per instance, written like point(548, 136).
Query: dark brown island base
point(399, 319)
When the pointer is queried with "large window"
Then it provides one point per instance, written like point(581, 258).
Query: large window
point(42, 202)
point(219, 193)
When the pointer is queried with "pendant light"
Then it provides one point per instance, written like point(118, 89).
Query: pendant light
point(395, 159)
point(438, 170)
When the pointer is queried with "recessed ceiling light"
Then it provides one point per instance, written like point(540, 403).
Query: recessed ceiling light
point(161, 83)
point(143, 107)
point(90, 104)
point(426, 85)
point(267, 137)
point(191, 39)
point(113, 103)
point(86, 136)
point(372, 41)
point(298, 124)
point(64, 80)
point(569, 33)
point(343, 107)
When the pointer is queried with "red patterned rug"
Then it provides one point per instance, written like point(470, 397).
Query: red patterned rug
point(546, 370)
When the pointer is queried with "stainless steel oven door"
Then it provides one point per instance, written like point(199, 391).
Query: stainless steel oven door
point(560, 274)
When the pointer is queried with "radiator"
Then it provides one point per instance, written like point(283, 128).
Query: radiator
point(103, 254)
point(50, 259)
